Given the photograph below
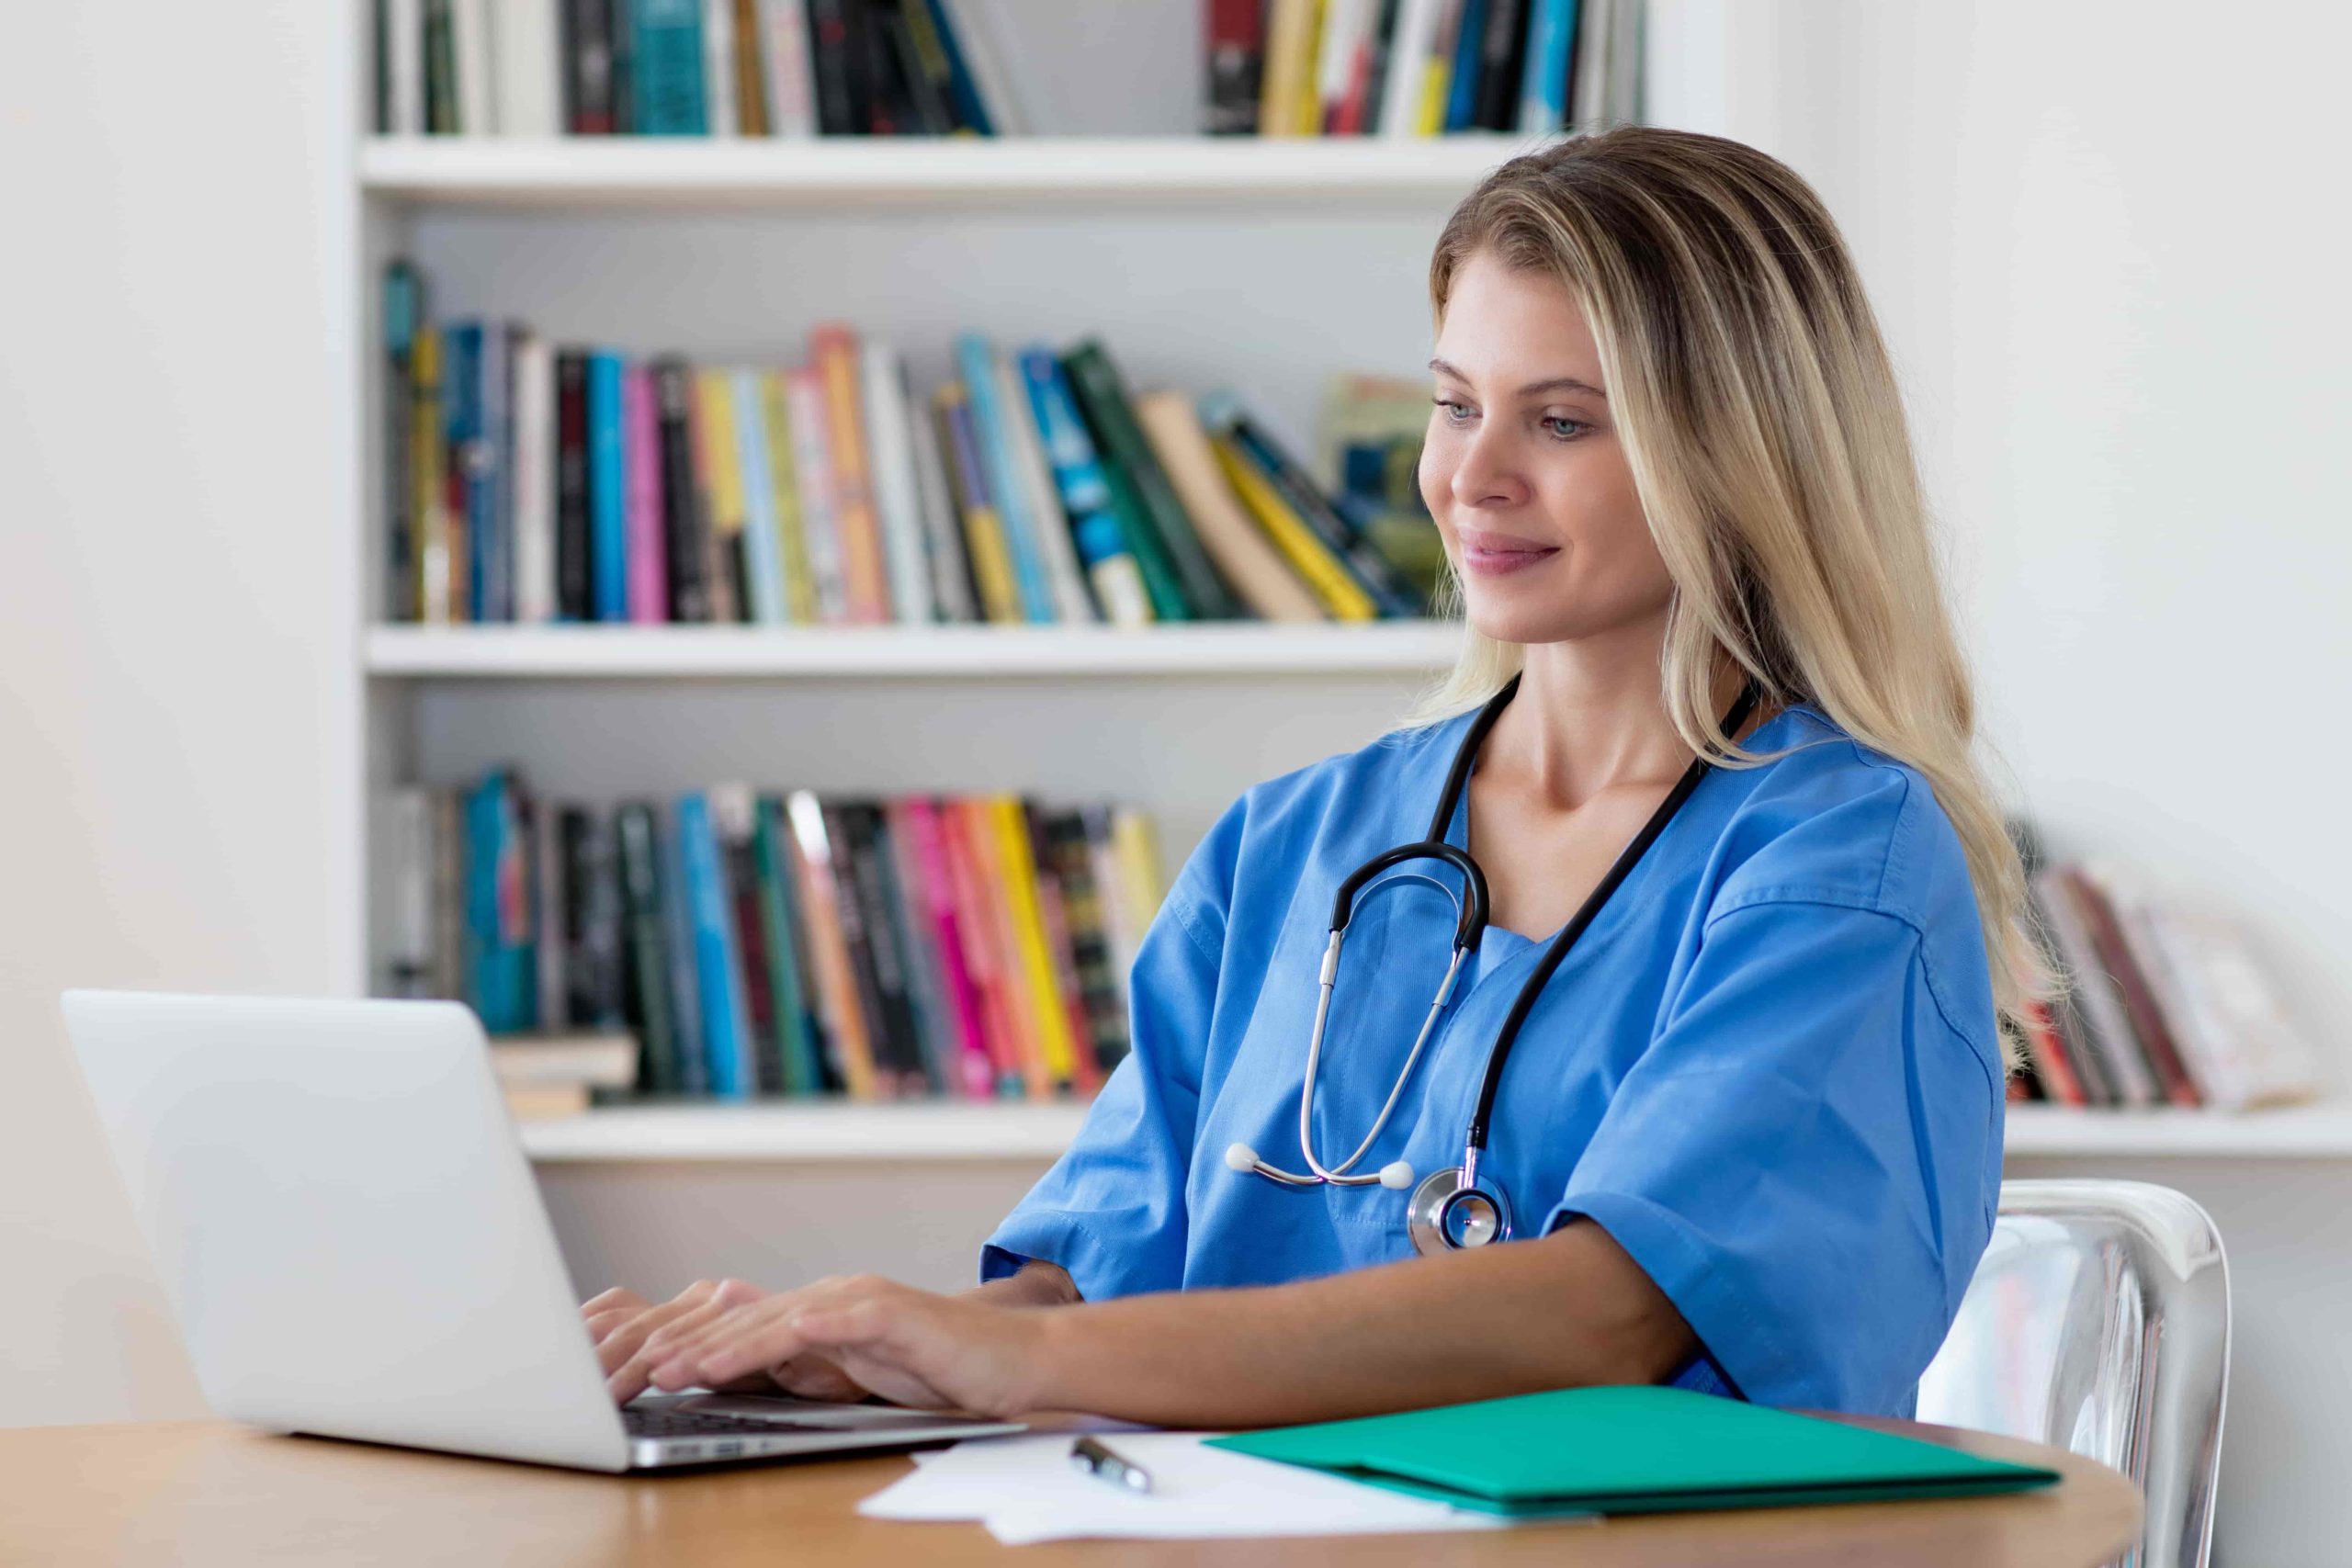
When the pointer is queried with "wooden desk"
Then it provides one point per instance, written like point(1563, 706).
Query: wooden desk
point(201, 1494)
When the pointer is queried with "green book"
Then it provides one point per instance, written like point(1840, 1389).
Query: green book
point(780, 922)
point(1630, 1451)
point(1102, 400)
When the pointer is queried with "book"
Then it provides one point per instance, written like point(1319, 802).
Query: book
point(898, 499)
point(1102, 399)
point(1057, 551)
point(833, 351)
point(799, 1042)
point(1233, 48)
point(999, 474)
point(852, 1060)
point(607, 491)
point(813, 474)
point(575, 599)
point(984, 547)
point(717, 965)
point(532, 483)
point(522, 47)
point(1111, 570)
point(733, 821)
point(606, 1058)
point(647, 525)
point(666, 62)
point(763, 550)
point(648, 960)
point(684, 521)
point(786, 81)
point(953, 594)
point(1243, 552)
point(784, 486)
point(404, 312)
point(1230, 419)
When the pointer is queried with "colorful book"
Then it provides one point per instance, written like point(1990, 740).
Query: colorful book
point(718, 469)
point(1102, 398)
point(799, 1042)
point(990, 558)
point(833, 354)
point(763, 556)
point(1343, 596)
point(999, 475)
point(917, 825)
point(666, 67)
point(813, 471)
point(853, 1061)
point(951, 589)
point(607, 491)
point(784, 486)
point(1112, 569)
point(647, 529)
point(718, 983)
point(1226, 416)
point(898, 499)
point(1260, 573)
point(1057, 552)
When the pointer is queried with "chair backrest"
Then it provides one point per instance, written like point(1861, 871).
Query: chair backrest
point(2098, 1322)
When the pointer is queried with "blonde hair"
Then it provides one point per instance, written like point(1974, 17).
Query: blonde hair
point(1764, 427)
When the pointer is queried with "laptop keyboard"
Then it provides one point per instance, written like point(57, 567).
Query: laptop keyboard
point(701, 1424)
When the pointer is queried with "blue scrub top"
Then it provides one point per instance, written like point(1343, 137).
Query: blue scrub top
point(1768, 1067)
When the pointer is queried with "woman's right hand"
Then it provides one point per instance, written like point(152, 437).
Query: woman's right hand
point(619, 1322)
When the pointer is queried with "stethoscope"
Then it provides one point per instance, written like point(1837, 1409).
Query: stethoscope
point(1459, 1206)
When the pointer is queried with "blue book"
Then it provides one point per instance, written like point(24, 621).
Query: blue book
point(665, 39)
point(1543, 75)
point(962, 91)
point(607, 491)
point(461, 417)
point(718, 972)
point(762, 557)
point(504, 963)
point(490, 481)
point(1078, 469)
point(977, 362)
point(1469, 53)
point(685, 992)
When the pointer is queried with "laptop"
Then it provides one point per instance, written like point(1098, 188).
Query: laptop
point(353, 1245)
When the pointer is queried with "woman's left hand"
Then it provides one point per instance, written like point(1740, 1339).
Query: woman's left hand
point(912, 1347)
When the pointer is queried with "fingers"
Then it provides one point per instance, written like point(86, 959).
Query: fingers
point(619, 1297)
point(770, 1333)
point(621, 1351)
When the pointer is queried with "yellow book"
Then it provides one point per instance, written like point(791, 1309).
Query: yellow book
point(834, 349)
point(722, 465)
point(983, 529)
point(791, 539)
point(1016, 861)
point(430, 521)
point(1306, 553)
point(1306, 101)
point(1134, 848)
point(1006, 988)
point(1437, 86)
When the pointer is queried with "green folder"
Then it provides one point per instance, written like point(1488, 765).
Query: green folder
point(1630, 1451)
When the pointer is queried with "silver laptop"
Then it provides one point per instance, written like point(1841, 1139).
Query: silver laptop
point(352, 1245)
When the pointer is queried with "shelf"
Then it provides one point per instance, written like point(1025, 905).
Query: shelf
point(851, 170)
point(964, 1131)
point(1220, 648)
point(2318, 1131)
point(948, 1130)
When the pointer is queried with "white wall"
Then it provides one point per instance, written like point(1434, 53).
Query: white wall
point(175, 602)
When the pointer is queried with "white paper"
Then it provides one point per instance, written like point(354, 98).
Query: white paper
point(1026, 1489)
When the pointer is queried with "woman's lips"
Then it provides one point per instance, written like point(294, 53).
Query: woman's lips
point(1493, 555)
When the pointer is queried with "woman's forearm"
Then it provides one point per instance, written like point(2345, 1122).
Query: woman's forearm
point(1559, 1311)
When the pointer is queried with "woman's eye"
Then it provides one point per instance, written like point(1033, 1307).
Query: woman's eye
point(1566, 434)
point(1453, 409)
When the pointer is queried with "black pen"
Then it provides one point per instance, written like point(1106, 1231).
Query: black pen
point(1095, 1459)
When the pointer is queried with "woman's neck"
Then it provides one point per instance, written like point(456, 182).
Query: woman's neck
point(1589, 718)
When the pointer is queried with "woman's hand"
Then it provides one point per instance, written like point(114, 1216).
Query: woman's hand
point(620, 1322)
point(911, 1347)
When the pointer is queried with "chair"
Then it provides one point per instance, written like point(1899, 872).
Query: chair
point(2098, 1322)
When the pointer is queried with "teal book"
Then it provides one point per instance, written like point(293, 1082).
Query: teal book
point(665, 57)
point(717, 975)
point(1631, 1451)
point(1000, 469)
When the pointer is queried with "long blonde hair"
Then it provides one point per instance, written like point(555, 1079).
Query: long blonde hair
point(1764, 427)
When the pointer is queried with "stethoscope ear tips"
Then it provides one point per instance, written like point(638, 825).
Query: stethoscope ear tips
point(1395, 1175)
point(1243, 1158)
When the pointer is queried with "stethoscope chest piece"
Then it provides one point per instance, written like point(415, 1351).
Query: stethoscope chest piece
point(1444, 1215)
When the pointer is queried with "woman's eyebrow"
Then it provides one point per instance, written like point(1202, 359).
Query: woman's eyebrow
point(1557, 384)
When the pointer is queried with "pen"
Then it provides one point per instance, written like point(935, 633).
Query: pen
point(1096, 1460)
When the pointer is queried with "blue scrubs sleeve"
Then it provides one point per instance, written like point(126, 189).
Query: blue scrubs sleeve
point(1111, 1210)
point(1806, 1158)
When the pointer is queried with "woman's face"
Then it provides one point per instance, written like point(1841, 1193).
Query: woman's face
point(1522, 469)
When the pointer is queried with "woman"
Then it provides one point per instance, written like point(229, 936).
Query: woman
point(1750, 1133)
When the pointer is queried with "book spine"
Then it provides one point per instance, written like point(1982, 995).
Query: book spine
point(897, 506)
point(1437, 83)
point(922, 58)
point(1244, 554)
point(717, 971)
point(813, 467)
point(896, 966)
point(1054, 925)
point(1544, 83)
point(791, 88)
point(951, 574)
point(1365, 566)
point(2133, 986)
point(722, 115)
point(884, 1034)
point(532, 477)
point(607, 491)
point(1503, 69)
point(1011, 1044)
point(647, 541)
point(1469, 54)
point(762, 568)
point(498, 459)
point(587, 49)
point(524, 45)
point(682, 506)
point(647, 987)
point(790, 982)
point(622, 33)
point(1409, 67)
point(440, 70)
point(732, 811)
point(553, 914)
point(2105, 1029)
point(476, 84)
point(1097, 981)
point(685, 976)
point(824, 897)
point(752, 110)
point(572, 596)
point(406, 815)
point(718, 474)
point(828, 46)
point(964, 95)
point(1017, 863)
point(1341, 593)
point(1111, 563)
point(449, 890)
point(1057, 549)
point(1000, 473)
point(1102, 398)
point(403, 46)
point(666, 64)
point(919, 940)
point(833, 351)
point(783, 479)
point(403, 311)
point(974, 1075)
point(858, 61)
point(991, 559)
point(1235, 49)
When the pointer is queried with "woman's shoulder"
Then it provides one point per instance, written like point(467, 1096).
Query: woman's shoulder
point(1828, 820)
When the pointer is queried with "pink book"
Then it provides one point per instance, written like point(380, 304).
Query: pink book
point(963, 993)
point(649, 561)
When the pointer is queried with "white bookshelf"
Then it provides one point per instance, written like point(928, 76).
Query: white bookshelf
point(955, 1130)
point(952, 652)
